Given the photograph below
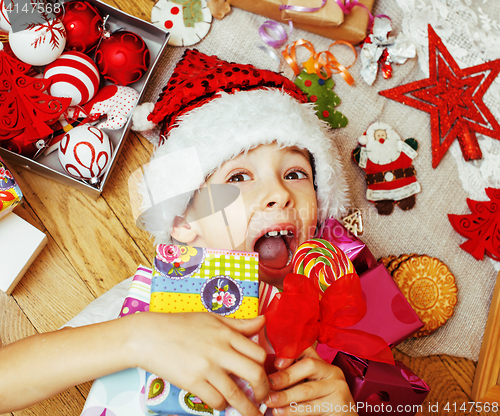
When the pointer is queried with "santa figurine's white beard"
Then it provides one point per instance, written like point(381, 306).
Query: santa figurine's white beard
point(383, 153)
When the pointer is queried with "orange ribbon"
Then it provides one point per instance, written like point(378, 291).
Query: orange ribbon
point(322, 66)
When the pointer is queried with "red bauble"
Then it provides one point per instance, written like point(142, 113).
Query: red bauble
point(83, 24)
point(122, 58)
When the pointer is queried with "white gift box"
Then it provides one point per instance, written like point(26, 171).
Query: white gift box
point(20, 244)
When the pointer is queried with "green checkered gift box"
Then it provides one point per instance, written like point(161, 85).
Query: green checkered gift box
point(197, 279)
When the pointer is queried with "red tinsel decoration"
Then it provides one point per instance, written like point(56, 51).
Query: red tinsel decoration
point(454, 99)
point(482, 227)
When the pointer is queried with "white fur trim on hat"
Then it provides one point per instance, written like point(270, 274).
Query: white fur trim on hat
point(234, 123)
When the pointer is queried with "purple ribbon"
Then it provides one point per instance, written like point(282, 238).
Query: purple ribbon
point(278, 30)
point(351, 4)
point(303, 9)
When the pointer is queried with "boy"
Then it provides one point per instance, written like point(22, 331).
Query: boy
point(251, 129)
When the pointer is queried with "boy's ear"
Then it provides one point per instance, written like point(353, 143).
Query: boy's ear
point(183, 231)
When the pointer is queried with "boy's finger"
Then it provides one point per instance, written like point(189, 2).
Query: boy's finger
point(307, 368)
point(247, 327)
point(300, 393)
point(210, 396)
point(250, 371)
point(233, 395)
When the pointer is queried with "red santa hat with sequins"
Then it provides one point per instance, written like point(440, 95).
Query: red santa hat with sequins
point(221, 110)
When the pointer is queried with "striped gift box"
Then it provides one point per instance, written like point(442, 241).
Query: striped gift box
point(196, 279)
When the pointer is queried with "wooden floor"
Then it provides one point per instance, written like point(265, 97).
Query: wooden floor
point(94, 244)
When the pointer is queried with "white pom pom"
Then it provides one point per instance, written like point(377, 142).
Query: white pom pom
point(140, 115)
point(363, 140)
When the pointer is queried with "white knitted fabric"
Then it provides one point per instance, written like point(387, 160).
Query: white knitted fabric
point(425, 229)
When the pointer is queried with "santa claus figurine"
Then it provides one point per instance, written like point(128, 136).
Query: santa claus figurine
point(387, 161)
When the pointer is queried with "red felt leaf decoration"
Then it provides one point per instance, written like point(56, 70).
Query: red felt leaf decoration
point(482, 227)
point(454, 99)
point(25, 108)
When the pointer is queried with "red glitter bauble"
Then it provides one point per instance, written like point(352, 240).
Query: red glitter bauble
point(83, 24)
point(122, 58)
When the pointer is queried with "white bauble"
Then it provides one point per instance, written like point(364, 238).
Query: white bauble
point(39, 45)
point(4, 17)
point(85, 152)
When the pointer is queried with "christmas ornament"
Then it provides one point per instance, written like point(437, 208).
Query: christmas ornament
point(73, 75)
point(85, 153)
point(84, 26)
point(481, 227)
point(454, 99)
point(381, 48)
point(387, 161)
point(319, 92)
point(4, 17)
point(26, 112)
point(115, 102)
point(354, 223)
point(39, 44)
point(187, 21)
point(122, 57)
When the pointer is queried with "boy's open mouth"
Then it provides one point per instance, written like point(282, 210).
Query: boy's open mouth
point(276, 249)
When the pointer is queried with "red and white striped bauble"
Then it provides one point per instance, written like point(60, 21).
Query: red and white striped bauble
point(73, 75)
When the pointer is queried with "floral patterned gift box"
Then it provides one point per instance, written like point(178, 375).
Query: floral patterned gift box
point(196, 279)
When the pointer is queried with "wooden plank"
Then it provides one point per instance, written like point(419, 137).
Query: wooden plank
point(88, 233)
point(444, 388)
point(486, 385)
point(134, 155)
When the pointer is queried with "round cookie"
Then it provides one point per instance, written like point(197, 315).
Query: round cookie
point(394, 264)
point(386, 260)
point(430, 288)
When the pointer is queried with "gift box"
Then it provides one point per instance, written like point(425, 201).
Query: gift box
point(20, 244)
point(388, 314)
point(353, 28)
point(10, 193)
point(329, 15)
point(197, 279)
point(357, 251)
point(379, 388)
point(49, 165)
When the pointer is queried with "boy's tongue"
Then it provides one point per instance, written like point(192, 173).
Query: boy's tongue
point(273, 251)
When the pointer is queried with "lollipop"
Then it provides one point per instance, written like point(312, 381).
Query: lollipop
point(321, 261)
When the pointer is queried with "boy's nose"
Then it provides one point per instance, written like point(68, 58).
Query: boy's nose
point(277, 196)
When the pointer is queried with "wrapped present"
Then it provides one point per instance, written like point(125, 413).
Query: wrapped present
point(20, 244)
point(329, 15)
point(196, 279)
point(379, 388)
point(352, 28)
point(388, 313)
point(357, 251)
point(10, 193)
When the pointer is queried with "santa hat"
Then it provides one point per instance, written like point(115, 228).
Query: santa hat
point(223, 109)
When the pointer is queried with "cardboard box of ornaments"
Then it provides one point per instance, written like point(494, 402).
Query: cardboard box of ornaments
point(49, 165)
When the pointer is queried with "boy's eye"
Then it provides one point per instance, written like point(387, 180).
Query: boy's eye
point(297, 174)
point(239, 177)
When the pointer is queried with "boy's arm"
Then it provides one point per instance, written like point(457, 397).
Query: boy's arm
point(193, 351)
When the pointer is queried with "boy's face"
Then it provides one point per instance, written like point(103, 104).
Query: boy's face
point(278, 211)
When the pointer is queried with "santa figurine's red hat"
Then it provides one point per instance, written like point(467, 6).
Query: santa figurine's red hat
point(223, 109)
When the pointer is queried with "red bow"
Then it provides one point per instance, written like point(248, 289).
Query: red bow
point(296, 318)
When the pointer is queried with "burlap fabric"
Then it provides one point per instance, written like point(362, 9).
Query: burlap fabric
point(425, 229)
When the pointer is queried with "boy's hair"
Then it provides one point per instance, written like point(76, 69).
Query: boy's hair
point(234, 120)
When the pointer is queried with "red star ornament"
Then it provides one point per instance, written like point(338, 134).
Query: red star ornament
point(454, 99)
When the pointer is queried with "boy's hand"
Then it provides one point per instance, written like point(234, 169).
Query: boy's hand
point(198, 351)
point(309, 386)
